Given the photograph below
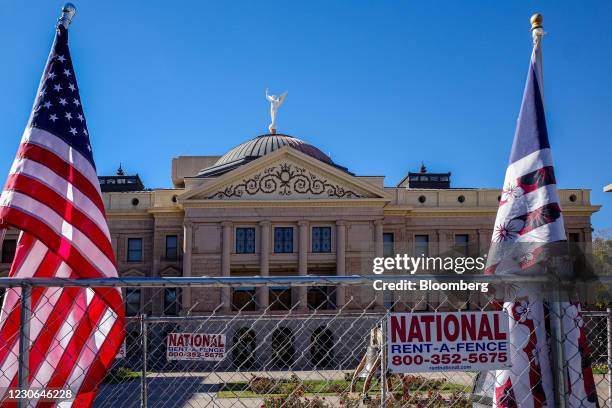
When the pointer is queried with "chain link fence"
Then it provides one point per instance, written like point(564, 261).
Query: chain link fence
point(289, 342)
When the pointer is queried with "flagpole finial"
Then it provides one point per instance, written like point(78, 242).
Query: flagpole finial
point(68, 11)
point(536, 21)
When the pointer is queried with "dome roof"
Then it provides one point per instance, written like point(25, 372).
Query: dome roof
point(260, 146)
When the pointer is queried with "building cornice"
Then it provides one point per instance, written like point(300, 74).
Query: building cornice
point(359, 202)
point(473, 211)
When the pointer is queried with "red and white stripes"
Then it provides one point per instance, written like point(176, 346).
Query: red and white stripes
point(52, 194)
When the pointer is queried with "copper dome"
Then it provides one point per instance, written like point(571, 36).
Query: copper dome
point(260, 146)
point(264, 144)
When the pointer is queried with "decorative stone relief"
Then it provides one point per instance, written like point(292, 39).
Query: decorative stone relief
point(285, 180)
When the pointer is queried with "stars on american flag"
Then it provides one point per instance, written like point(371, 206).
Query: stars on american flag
point(58, 107)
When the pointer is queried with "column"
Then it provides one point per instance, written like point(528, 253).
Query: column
point(226, 253)
point(263, 293)
point(302, 291)
point(157, 296)
point(379, 249)
point(187, 246)
point(340, 261)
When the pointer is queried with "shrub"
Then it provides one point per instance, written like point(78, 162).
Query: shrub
point(295, 402)
point(120, 375)
point(263, 385)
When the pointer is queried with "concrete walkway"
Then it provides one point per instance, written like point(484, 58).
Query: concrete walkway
point(199, 390)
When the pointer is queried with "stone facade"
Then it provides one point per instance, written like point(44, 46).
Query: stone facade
point(287, 187)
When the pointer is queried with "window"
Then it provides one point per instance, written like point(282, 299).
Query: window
point(245, 240)
point(321, 239)
point(321, 297)
point(134, 250)
point(388, 248)
point(321, 347)
point(280, 298)
point(283, 350)
point(171, 247)
point(171, 301)
point(244, 348)
point(421, 245)
point(9, 246)
point(132, 302)
point(574, 237)
point(462, 244)
point(283, 240)
point(244, 299)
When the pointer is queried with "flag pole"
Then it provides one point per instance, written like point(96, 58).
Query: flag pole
point(68, 12)
point(536, 21)
point(23, 369)
point(556, 316)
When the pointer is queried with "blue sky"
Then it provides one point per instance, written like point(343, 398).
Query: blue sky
point(379, 86)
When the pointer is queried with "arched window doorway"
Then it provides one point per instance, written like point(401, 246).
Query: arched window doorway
point(244, 345)
point(282, 348)
point(321, 347)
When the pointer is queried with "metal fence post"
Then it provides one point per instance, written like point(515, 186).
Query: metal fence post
point(145, 355)
point(558, 350)
point(24, 341)
point(383, 363)
point(609, 326)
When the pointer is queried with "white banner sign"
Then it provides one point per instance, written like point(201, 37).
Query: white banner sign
point(454, 341)
point(195, 346)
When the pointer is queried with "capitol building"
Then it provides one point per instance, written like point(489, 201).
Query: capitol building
point(276, 205)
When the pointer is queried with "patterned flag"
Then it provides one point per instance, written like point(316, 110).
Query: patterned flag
point(528, 220)
point(53, 196)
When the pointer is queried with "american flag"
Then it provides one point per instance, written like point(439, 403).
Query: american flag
point(53, 196)
point(528, 221)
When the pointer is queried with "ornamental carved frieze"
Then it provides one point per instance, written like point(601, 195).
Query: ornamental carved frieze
point(285, 180)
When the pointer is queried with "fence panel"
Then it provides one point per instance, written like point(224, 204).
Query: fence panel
point(276, 351)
